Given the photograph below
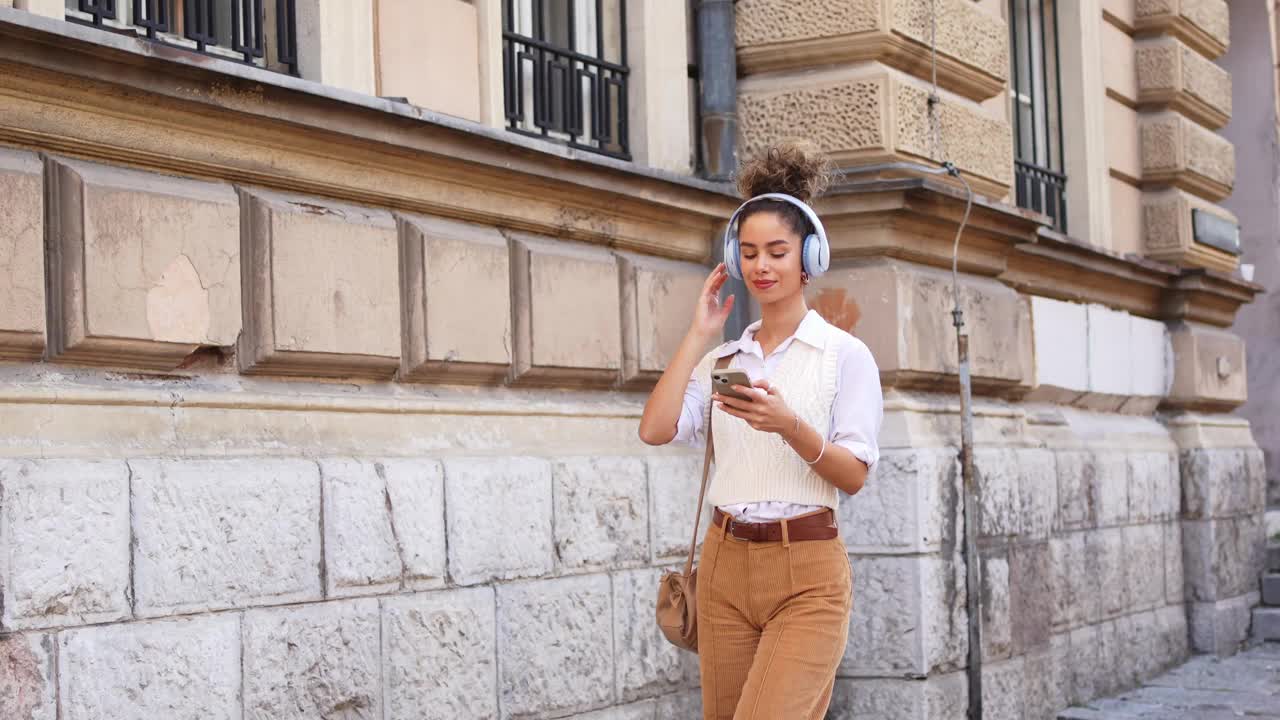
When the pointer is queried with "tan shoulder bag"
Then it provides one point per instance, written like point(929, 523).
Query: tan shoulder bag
point(677, 592)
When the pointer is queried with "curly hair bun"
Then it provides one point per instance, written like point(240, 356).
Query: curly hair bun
point(794, 167)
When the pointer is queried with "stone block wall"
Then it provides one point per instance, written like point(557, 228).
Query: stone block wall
point(1082, 567)
point(521, 586)
point(338, 587)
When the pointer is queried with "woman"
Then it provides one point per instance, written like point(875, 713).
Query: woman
point(774, 584)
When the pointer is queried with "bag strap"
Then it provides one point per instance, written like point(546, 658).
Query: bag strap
point(721, 364)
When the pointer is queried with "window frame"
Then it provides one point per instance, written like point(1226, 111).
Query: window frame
point(536, 60)
point(1035, 108)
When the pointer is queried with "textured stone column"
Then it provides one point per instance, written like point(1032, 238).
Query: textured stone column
point(853, 78)
point(1182, 99)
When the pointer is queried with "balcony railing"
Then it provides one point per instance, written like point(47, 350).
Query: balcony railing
point(1042, 190)
point(558, 83)
point(231, 29)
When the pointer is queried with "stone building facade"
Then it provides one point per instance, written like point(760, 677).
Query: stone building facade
point(324, 336)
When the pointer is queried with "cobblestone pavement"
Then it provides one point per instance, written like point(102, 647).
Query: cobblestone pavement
point(1246, 685)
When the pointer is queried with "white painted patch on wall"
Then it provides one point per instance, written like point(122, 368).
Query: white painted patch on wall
point(1094, 349)
point(1060, 334)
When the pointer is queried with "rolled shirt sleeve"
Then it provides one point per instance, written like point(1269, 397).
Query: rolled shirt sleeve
point(858, 408)
point(689, 427)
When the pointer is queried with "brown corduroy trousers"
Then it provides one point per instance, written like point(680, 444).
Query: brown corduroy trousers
point(773, 620)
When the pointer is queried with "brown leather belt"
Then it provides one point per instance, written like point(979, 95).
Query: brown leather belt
point(819, 525)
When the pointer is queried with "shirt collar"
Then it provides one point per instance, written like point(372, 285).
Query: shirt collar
point(811, 331)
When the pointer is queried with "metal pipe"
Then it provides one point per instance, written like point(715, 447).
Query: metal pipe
point(973, 576)
point(718, 94)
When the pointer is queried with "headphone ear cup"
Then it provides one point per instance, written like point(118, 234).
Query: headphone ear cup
point(732, 257)
point(814, 261)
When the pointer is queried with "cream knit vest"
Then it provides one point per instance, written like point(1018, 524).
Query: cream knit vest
point(754, 466)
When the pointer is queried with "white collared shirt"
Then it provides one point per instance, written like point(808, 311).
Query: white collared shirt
point(856, 414)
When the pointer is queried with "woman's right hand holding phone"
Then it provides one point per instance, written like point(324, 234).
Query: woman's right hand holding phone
point(709, 314)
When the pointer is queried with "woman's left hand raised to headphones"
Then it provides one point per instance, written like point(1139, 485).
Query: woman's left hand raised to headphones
point(709, 314)
point(767, 413)
point(661, 416)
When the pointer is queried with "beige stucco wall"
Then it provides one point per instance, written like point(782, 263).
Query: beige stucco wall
point(429, 52)
point(335, 43)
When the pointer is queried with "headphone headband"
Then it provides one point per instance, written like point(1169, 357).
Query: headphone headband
point(816, 250)
point(804, 207)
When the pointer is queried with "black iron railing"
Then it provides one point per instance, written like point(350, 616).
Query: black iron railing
point(557, 81)
point(233, 29)
point(1042, 190)
point(1035, 86)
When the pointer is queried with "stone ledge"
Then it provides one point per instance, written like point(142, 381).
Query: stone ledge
point(915, 219)
point(1202, 24)
point(1175, 77)
point(973, 57)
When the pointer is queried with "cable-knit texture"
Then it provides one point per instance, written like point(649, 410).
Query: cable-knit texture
point(754, 466)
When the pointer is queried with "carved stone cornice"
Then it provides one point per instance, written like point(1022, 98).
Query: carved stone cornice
point(1208, 296)
point(915, 219)
point(1063, 268)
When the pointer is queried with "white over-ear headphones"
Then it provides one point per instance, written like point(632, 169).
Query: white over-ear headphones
point(815, 254)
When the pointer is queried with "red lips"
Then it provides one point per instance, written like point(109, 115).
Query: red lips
point(764, 284)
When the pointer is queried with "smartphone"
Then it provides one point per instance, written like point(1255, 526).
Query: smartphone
point(722, 381)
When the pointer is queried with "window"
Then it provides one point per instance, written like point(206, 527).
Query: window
point(1039, 181)
point(233, 29)
point(565, 72)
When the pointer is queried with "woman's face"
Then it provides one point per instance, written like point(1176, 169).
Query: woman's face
point(770, 255)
